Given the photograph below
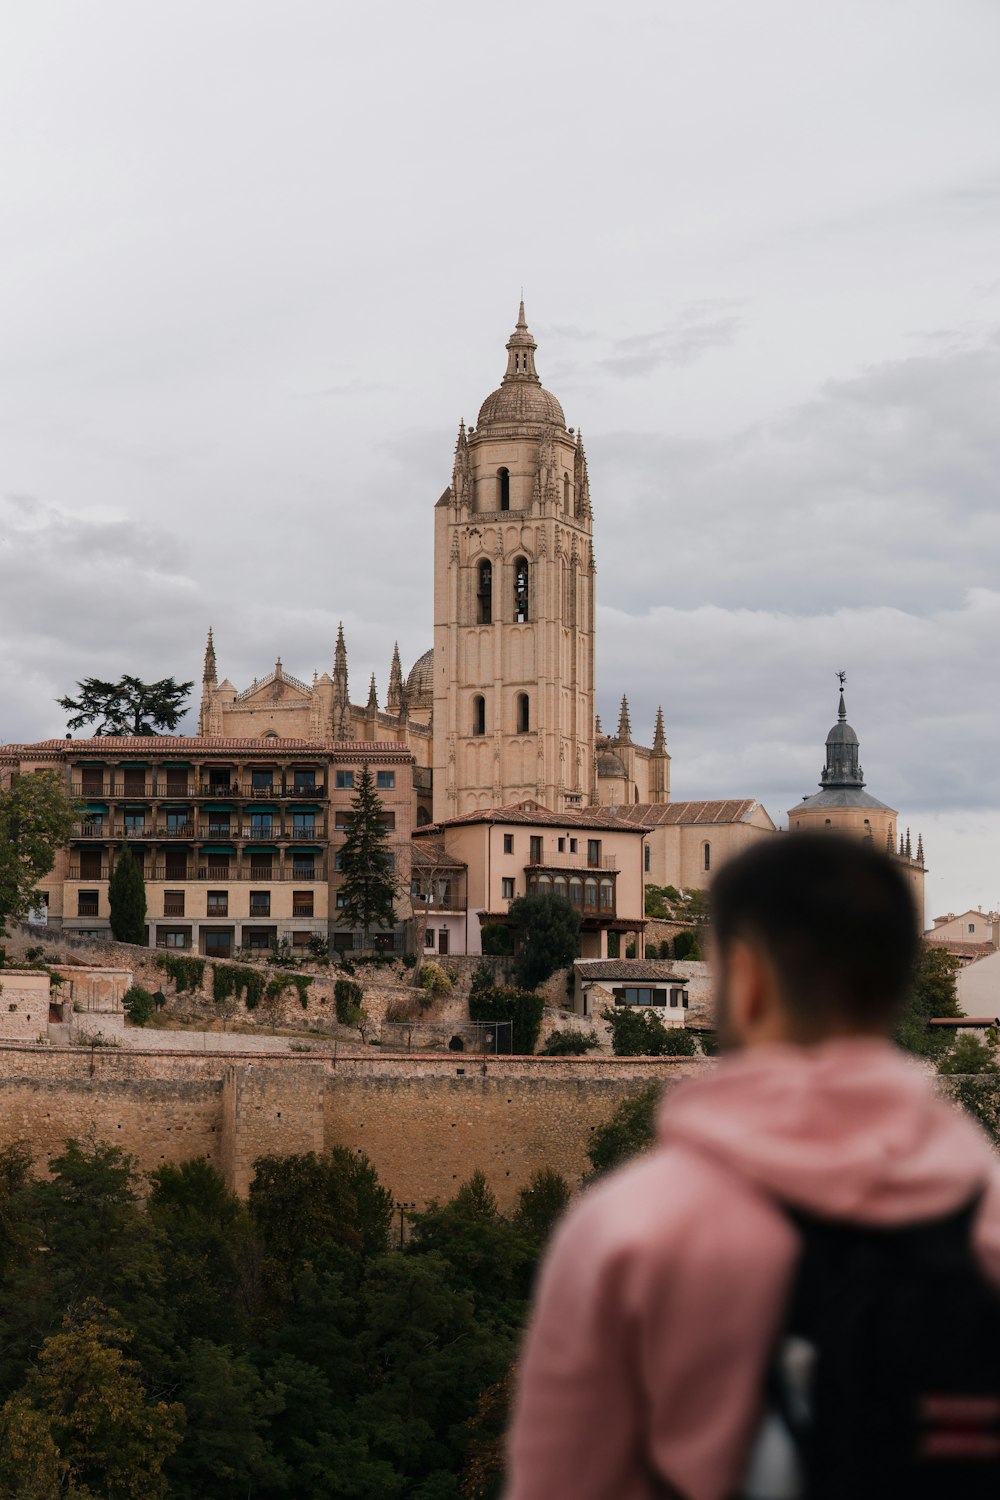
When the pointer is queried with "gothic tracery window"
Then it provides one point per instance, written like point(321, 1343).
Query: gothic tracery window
point(484, 593)
point(521, 589)
point(503, 488)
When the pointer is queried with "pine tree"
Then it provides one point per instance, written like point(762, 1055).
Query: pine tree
point(127, 896)
point(369, 887)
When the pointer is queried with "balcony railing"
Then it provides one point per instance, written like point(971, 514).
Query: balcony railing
point(74, 873)
point(110, 832)
point(218, 874)
point(152, 788)
point(556, 859)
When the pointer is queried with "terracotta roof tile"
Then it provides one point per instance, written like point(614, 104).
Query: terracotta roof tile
point(540, 817)
point(627, 969)
point(169, 743)
point(661, 814)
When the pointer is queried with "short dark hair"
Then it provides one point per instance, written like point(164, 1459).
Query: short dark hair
point(834, 916)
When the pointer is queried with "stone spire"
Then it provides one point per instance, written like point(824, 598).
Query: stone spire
point(890, 846)
point(394, 698)
point(920, 850)
point(909, 847)
point(373, 697)
point(624, 735)
point(597, 724)
point(581, 479)
point(210, 674)
point(341, 700)
point(842, 767)
point(659, 734)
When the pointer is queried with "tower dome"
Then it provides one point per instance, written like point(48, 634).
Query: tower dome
point(420, 683)
point(521, 400)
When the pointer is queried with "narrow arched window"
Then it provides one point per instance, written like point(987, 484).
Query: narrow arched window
point(566, 493)
point(479, 714)
point(523, 713)
point(708, 856)
point(503, 488)
point(521, 589)
point(484, 593)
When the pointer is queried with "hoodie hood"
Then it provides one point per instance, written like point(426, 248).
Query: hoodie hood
point(848, 1129)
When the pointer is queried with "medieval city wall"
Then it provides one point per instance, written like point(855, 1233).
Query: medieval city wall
point(425, 1122)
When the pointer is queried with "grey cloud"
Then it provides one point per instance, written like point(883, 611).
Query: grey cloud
point(695, 332)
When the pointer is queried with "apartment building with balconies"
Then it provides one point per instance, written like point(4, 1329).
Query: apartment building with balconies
point(240, 841)
point(481, 861)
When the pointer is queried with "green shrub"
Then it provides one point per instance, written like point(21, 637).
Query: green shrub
point(319, 949)
point(159, 999)
point(569, 1043)
point(709, 1043)
point(639, 1033)
point(686, 946)
point(497, 939)
point(664, 951)
point(629, 1131)
point(652, 950)
point(347, 997)
point(137, 1004)
point(434, 979)
point(521, 1008)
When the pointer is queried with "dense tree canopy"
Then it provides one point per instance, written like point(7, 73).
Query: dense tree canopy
point(127, 899)
point(36, 819)
point(546, 937)
point(933, 994)
point(369, 888)
point(128, 706)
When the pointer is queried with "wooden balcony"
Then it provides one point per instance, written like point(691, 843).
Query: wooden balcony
point(553, 858)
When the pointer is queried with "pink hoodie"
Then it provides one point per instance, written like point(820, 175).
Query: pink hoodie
point(664, 1286)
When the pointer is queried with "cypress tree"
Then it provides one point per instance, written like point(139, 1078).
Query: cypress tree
point(127, 895)
point(369, 887)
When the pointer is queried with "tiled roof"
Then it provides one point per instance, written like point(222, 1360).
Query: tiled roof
point(959, 949)
point(540, 817)
point(431, 852)
point(627, 969)
point(660, 814)
point(202, 744)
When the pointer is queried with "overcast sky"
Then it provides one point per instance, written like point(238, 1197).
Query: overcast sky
point(258, 260)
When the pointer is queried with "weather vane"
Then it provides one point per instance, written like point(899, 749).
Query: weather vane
point(842, 678)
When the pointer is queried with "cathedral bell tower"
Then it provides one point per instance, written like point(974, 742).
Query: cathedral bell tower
point(514, 605)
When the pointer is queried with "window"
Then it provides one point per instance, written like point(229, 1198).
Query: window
point(560, 887)
point(521, 589)
point(175, 937)
point(645, 858)
point(679, 998)
point(178, 823)
point(176, 864)
point(387, 822)
point(507, 888)
point(304, 824)
point(522, 713)
point(260, 903)
point(430, 938)
point(708, 856)
point(305, 781)
point(92, 781)
point(301, 939)
point(572, 846)
point(503, 489)
point(484, 593)
point(479, 714)
point(218, 780)
point(134, 778)
point(972, 926)
point(261, 938)
point(535, 849)
point(341, 900)
point(508, 843)
point(304, 866)
point(135, 823)
point(344, 818)
point(218, 823)
point(218, 944)
point(639, 995)
point(385, 780)
point(173, 903)
point(607, 895)
point(218, 903)
point(86, 903)
point(260, 865)
point(262, 782)
point(261, 825)
point(90, 864)
point(93, 825)
point(302, 903)
point(593, 853)
point(344, 780)
point(590, 894)
point(177, 781)
point(338, 860)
